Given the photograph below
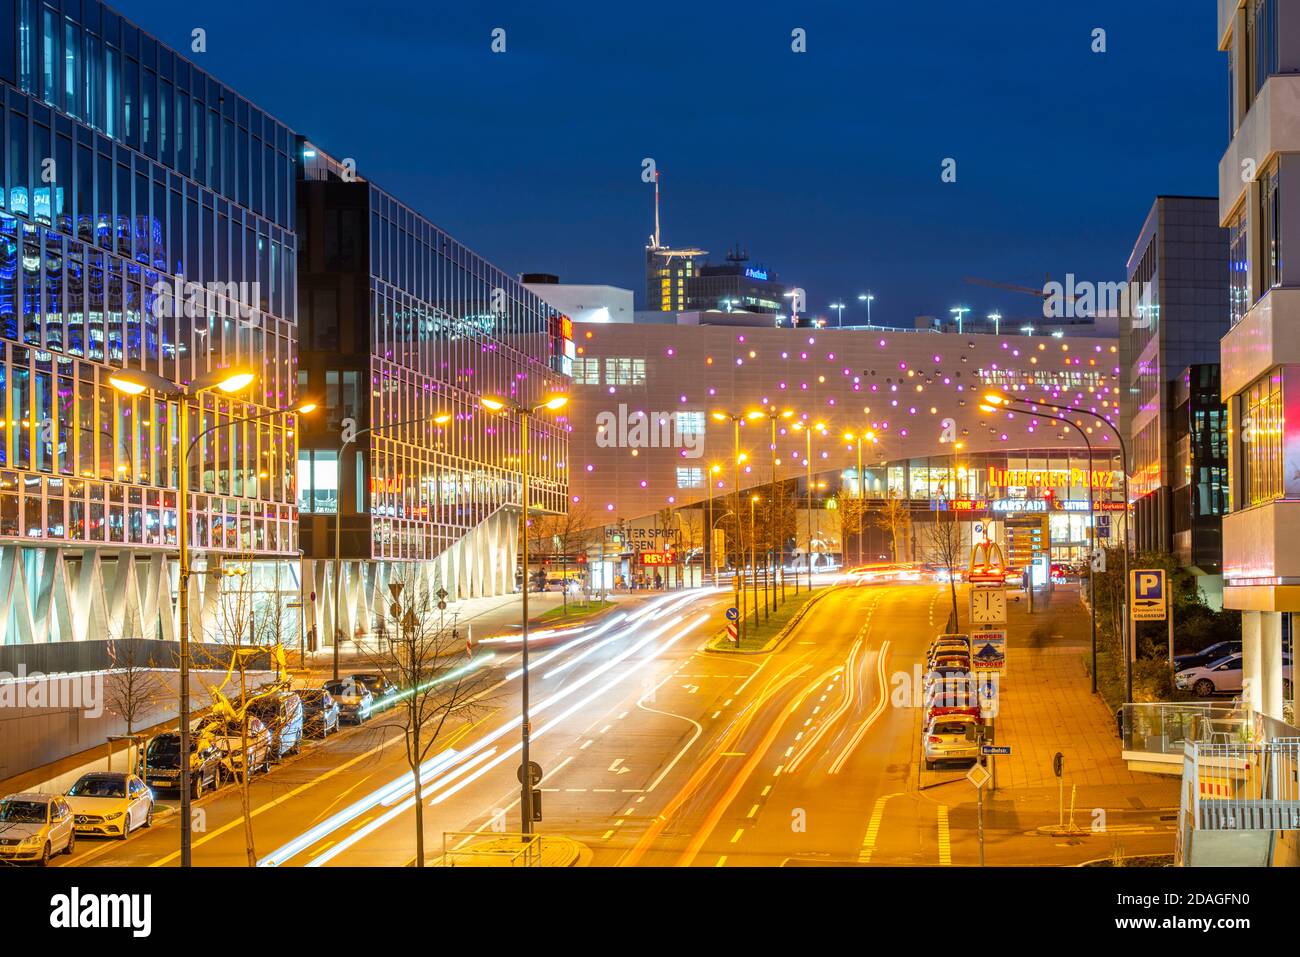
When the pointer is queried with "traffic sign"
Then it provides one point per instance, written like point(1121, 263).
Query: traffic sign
point(978, 775)
point(1150, 596)
point(733, 633)
point(442, 605)
point(534, 773)
point(999, 749)
point(441, 593)
point(1058, 764)
point(733, 613)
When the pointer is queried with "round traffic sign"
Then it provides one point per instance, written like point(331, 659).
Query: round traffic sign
point(733, 613)
point(534, 773)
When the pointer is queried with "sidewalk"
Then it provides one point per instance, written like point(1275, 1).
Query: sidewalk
point(1047, 706)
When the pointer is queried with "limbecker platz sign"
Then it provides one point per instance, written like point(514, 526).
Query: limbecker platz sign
point(1048, 478)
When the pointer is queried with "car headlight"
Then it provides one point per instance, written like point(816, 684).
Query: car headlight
point(113, 817)
point(33, 840)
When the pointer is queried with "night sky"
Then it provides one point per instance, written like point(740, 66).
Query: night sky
point(824, 165)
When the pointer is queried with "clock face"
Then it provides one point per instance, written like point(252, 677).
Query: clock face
point(989, 605)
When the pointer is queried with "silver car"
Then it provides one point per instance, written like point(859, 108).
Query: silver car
point(33, 826)
point(945, 739)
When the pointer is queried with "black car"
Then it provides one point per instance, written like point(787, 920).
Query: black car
point(320, 712)
point(162, 769)
point(1220, 649)
point(382, 691)
point(281, 712)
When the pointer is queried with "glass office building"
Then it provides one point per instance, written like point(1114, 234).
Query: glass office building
point(146, 221)
point(403, 326)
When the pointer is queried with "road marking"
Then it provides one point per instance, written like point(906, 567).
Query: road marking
point(622, 716)
point(576, 790)
point(732, 754)
point(604, 790)
point(945, 837)
point(871, 718)
point(727, 703)
point(766, 790)
point(721, 861)
point(607, 835)
point(736, 837)
point(789, 751)
point(619, 822)
point(752, 811)
point(614, 766)
point(606, 728)
point(586, 744)
point(777, 772)
point(873, 828)
point(715, 715)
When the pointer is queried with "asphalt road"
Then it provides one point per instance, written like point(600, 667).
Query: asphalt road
point(655, 752)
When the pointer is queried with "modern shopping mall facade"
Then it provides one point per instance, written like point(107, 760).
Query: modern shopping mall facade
point(645, 437)
point(128, 175)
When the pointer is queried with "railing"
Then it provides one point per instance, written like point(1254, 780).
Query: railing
point(1242, 786)
point(479, 849)
point(1166, 727)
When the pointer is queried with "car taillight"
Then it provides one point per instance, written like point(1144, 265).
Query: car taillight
point(935, 739)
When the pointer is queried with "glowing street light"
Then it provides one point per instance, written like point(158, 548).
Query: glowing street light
point(523, 413)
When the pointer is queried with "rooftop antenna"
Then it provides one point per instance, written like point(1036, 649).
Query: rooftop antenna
point(654, 240)
point(738, 255)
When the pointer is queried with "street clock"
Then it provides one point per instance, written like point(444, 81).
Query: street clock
point(988, 606)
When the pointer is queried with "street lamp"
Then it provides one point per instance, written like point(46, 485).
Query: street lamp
point(713, 558)
point(523, 413)
point(839, 307)
point(808, 431)
point(867, 298)
point(134, 382)
point(959, 312)
point(753, 558)
point(777, 551)
point(997, 322)
point(857, 440)
point(736, 418)
point(1005, 400)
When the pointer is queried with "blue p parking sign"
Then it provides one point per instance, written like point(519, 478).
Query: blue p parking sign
point(1150, 596)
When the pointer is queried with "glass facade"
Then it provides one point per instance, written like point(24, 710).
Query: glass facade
point(146, 221)
point(1262, 441)
point(430, 326)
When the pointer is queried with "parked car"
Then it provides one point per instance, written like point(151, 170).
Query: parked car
point(34, 826)
point(354, 699)
point(1223, 677)
point(945, 739)
point(281, 713)
point(110, 803)
point(944, 670)
point(320, 712)
point(162, 770)
point(228, 736)
point(382, 691)
point(1215, 652)
point(952, 696)
point(948, 645)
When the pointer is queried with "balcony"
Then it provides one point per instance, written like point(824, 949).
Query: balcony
point(1154, 735)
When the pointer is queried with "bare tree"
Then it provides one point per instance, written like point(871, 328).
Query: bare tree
point(895, 516)
point(944, 537)
point(133, 689)
point(427, 659)
point(849, 512)
point(554, 537)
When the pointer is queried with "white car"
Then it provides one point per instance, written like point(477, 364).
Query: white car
point(110, 803)
point(33, 826)
point(1223, 677)
point(949, 737)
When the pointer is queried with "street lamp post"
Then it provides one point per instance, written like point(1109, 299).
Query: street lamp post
point(753, 557)
point(867, 298)
point(713, 558)
point(523, 413)
point(858, 439)
point(839, 308)
point(1002, 398)
point(134, 382)
point(1092, 529)
point(808, 431)
point(737, 458)
point(775, 547)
